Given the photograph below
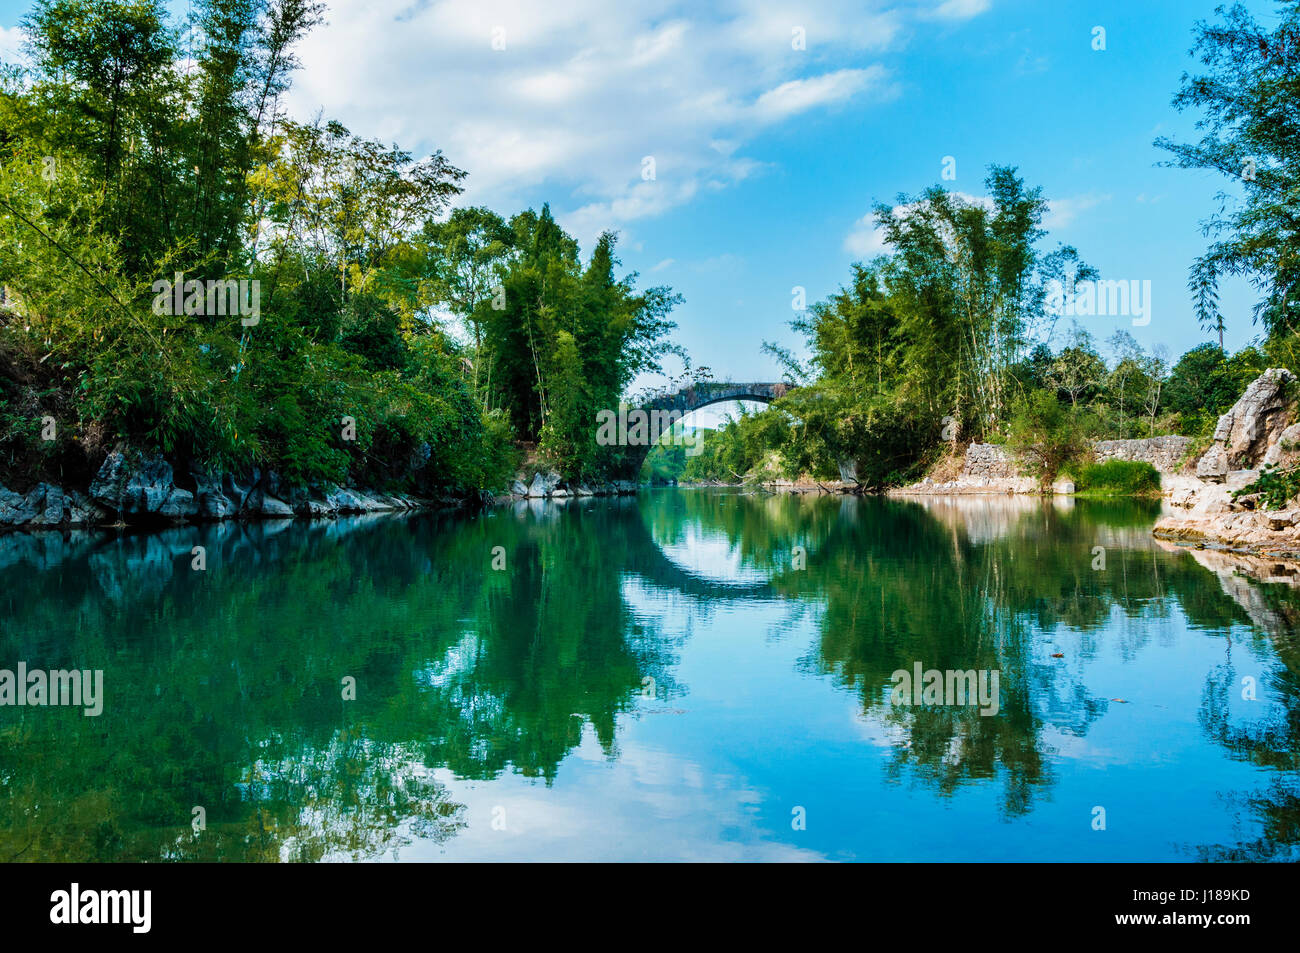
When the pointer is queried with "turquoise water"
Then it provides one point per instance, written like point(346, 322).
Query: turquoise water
point(690, 674)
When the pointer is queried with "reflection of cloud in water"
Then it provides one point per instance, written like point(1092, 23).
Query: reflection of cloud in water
point(648, 805)
point(711, 556)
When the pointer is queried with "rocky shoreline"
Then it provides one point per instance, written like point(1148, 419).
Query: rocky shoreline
point(992, 468)
point(1206, 503)
point(550, 485)
point(145, 490)
point(132, 488)
point(1213, 508)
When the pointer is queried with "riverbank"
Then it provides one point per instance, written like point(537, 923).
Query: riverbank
point(1213, 500)
point(1220, 505)
point(136, 489)
point(143, 489)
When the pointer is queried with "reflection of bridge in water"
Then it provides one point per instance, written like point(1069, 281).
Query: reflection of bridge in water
point(648, 560)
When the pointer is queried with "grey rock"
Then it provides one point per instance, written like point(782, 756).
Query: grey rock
point(343, 501)
point(10, 503)
point(53, 506)
point(81, 511)
point(1285, 451)
point(273, 485)
point(1247, 433)
point(110, 482)
point(212, 504)
point(236, 491)
point(132, 487)
point(262, 503)
point(989, 461)
point(1213, 465)
point(179, 505)
point(27, 508)
point(538, 487)
point(1240, 479)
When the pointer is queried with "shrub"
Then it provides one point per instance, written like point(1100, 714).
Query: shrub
point(1275, 487)
point(1046, 433)
point(1118, 478)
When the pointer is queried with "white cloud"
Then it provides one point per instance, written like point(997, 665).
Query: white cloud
point(866, 240)
point(800, 95)
point(960, 9)
point(1062, 212)
point(583, 91)
point(11, 43)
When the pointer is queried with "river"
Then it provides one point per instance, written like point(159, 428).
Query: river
point(682, 675)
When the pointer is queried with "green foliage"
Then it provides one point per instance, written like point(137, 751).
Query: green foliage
point(1206, 382)
point(1117, 478)
point(1046, 433)
point(565, 342)
point(118, 169)
point(1250, 128)
point(1275, 487)
point(742, 446)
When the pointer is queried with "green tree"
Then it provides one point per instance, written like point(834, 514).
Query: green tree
point(1247, 95)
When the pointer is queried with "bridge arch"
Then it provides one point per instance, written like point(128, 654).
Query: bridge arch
point(699, 395)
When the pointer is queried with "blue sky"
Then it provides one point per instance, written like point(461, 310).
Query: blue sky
point(767, 157)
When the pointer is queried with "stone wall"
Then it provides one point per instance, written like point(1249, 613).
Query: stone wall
point(1163, 453)
point(989, 461)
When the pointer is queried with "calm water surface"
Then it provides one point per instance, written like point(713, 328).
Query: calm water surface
point(688, 674)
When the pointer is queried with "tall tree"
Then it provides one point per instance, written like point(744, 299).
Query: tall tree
point(1247, 95)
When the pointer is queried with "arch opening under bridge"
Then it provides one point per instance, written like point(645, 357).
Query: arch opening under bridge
point(698, 396)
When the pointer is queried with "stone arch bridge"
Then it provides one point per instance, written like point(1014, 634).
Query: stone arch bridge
point(699, 395)
point(715, 392)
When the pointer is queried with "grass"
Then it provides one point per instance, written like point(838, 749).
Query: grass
point(1117, 478)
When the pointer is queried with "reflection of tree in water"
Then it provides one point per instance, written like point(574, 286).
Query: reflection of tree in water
point(896, 593)
point(762, 529)
point(555, 645)
point(223, 689)
point(952, 589)
point(352, 798)
point(1264, 732)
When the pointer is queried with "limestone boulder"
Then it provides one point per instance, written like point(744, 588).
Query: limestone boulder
point(538, 488)
point(1284, 453)
point(1256, 420)
point(1213, 465)
point(133, 485)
